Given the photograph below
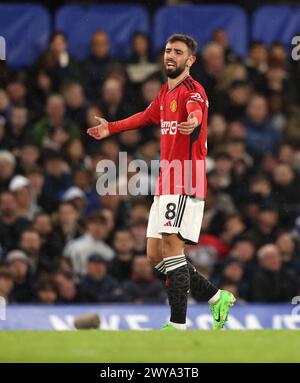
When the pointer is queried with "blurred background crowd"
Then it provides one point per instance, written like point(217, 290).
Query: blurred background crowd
point(60, 242)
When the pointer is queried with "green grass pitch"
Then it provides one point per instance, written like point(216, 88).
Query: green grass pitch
point(150, 346)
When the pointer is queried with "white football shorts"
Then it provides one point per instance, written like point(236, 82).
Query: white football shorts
point(179, 214)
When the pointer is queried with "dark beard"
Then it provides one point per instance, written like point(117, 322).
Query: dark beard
point(177, 72)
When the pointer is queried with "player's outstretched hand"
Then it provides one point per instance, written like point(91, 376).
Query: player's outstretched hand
point(188, 126)
point(100, 131)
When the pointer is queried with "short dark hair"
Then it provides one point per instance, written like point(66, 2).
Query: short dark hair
point(96, 217)
point(188, 40)
point(56, 34)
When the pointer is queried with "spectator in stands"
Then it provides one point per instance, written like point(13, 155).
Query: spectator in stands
point(24, 284)
point(243, 249)
point(76, 103)
point(220, 37)
point(91, 242)
point(123, 245)
point(28, 157)
point(272, 282)
point(83, 179)
point(143, 286)
point(129, 141)
point(5, 104)
point(222, 170)
point(54, 130)
point(140, 48)
point(46, 291)
point(17, 127)
point(76, 196)
point(7, 166)
point(212, 71)
point(232, 270)
point(278, 53)
point(113, 103)
point(233, 103)
point(6, 283)
point(26, 204)
point(257, 65)
point(2, 132)
point(261, 135)
point(214, 214)
point(108, 214)
point(277, 78)
point(17, 92)
point(234, 226)
point(266, 226)
point(44, 198)
point(149, 90)
point(11, 225)
point(58, 177)
point(75, 154)
point(103, 286)
point(140, 63)
point(67, 227)
point(30, 243)
point(286, 190)
point(139, 230)
point(69, 290)
point(288, 153)
point(287, 248)
point(97, 64)
point(42, 223)
point(57, 63)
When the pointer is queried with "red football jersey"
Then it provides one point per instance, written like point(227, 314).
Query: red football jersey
point(182, 168)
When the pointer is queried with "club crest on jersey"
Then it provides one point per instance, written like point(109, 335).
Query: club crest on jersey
point(173, 106)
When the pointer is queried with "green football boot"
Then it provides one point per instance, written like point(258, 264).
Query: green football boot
point(168, 326)
point(220, 309)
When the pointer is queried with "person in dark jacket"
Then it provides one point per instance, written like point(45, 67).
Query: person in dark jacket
point(143, 286)
point(97, 64)
point(121, 265)
point(69, 289)
point(104, 287)
point(24, 286)
point(272, 282)
point(11, 225)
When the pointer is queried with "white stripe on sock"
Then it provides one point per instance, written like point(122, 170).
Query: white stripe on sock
point(172, 263)
point(161, 267)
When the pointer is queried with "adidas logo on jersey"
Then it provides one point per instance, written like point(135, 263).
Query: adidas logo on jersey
point(169, 223)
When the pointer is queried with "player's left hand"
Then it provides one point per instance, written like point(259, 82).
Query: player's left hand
point(188, 126)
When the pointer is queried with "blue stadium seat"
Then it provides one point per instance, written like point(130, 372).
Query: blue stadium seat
point(200, 21)
point(26, 29)
point(276, 23)
point(119, 21)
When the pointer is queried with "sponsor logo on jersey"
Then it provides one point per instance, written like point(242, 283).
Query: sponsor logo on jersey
point(168, 127)
point(196, 96)
point(168, 223)
point(173, 106)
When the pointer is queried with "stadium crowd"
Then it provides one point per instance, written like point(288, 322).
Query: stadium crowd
point(61, 242)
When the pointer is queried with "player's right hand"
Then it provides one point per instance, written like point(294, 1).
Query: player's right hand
point(99, 131)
